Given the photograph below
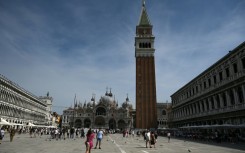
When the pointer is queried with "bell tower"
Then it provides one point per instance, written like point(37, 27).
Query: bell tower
point(146, 112)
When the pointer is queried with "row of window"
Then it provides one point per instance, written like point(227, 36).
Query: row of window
point(18, 113)
point(227, 72)
point(144, 45)
point(233, 121)
point(19, 100)
point(225, 99)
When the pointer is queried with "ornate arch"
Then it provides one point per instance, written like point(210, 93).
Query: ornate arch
point(100, 111)
point(121, 124)
point(78, 123)
point(87, 123)
point(99, 121)
point(112, 123)
point(164, 112)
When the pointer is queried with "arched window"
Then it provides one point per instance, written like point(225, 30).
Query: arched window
point(240, 95)
point(212, 103)
point(232, 97)
point(218, 101)
point(164, 112)
point(101, 111)
point(224, 99)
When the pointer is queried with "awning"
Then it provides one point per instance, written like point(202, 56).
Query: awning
point(30, 124)
point(16, 124)
point(4, 122)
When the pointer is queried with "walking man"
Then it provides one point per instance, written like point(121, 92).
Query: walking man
point(12, 133)
point(147, 138)
point(169, 135)
point(99, 138)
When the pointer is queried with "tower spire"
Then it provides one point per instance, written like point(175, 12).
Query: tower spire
point(144, 19)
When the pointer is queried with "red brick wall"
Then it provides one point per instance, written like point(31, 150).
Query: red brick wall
point(146, 113)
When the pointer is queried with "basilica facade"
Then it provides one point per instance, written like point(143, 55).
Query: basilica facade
point(104, 113)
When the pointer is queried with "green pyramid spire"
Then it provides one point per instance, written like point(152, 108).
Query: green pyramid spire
point(144, 19)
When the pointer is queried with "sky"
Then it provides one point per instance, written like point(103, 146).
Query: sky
point(80, 47)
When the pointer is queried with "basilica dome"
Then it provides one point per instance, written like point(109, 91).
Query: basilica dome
point(127, 104)
point(107, 99)
point(90, 104)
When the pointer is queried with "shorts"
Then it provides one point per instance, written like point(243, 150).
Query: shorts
point(99, 139)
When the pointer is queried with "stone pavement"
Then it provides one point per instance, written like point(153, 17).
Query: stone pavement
point(113, 143)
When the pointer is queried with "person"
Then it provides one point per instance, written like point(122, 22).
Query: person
point(169, 135)
point(68, 133)
point(1, 135)
point(12, 133)
point(82, 133)
point(153, 140)
point(147, 138)
point(156, 135)
point(99, 138)
point(89, 141)
point(77, 132)
point(56, 134)
point(132, 133)
point(72, 131)
point(31, 130)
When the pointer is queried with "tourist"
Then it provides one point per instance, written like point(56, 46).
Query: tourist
point(147, 138)
point(82, 133)
point(68, 133)
point(72, 131)
point(99, 138)
point(89, 141)
point(1, 135)
point(156, 135)
point(12, 133)
point(132, 133)
point(169, 135)
point(152, 140)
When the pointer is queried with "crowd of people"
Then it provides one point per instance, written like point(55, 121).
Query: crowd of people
point(150, 137)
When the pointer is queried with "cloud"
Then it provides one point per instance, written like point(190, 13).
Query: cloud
point(82, 47)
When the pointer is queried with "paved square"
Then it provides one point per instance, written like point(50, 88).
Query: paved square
point(113, 143)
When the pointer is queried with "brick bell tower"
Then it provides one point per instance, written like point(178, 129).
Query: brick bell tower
point(146, 112)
